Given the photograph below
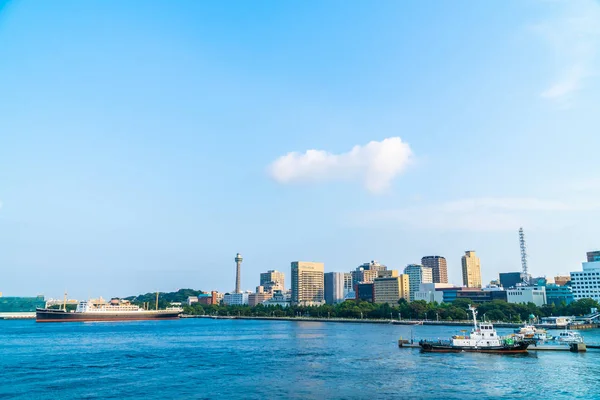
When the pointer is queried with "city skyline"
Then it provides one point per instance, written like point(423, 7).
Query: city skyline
point(150, 150)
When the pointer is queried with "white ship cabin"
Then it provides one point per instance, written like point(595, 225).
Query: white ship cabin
point(482, 335)
point(100, 305)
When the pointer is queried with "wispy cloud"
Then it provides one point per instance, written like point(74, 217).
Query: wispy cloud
point(575, 39)
point(475, 214)
point(376, 164)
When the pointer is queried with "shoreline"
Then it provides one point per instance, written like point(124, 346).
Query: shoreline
point(385, 321)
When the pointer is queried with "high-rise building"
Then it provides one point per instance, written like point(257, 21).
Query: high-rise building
point(365, 291)
point(308, 285)
point(510, 279)
point(388, 273)
point(391, 289)
point(438, 266)
point(348, 287)
point(361, 275)
point(593, 256)
point(238, 263)
point(586, 284)
point(471, 270)
point(334, 287)
point(417, 274)
point(272, 280)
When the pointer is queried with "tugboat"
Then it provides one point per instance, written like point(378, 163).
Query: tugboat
point(483, 339)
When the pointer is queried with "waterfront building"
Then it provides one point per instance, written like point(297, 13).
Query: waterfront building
point(308, 284)
point(388, 273)
point(334, 287)
point(438, 266)
point(557, 294)
point(260, 296)
point(475, 295)
point(391, 289)
point(593, 256)
point(236, 299)
point(280, 298)
point(510, 279)
point(191, 300)
point(272, 280)
point(238, 277)
point(527, 294)
point(562, 280)
point(348, 286)
point(429, 292)
point(365, 291)
point(586, 284)
point(471, 269)
point(417, 274)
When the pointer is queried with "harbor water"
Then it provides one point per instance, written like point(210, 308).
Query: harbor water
point(231, 359)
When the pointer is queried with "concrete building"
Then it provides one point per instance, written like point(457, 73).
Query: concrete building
point(438, 266)
point(308, 283)
point(510, 279)
point(280, 298)
point(557, 294)
point(586, 284)
point(272, 280)
point(388, 273)
point(365, 291)
point(471, 270)
point(527, 294)
point(236, 299)
point(334, 287)
point(391, 289)
point(238, 276)
point(259, 296)
point(562, 280)
point(417, 274)
point(429, 292)
point(348, 286)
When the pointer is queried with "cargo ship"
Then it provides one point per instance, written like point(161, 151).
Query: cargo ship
point(101, 311)
point(483, 339)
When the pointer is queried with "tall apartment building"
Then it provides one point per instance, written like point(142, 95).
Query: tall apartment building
point(417, 274)
point(334, 287)
point(471, 270)
point(272, 280)
point(308, 284)
point(391, 289)
point(586, 284)
point(438, 266)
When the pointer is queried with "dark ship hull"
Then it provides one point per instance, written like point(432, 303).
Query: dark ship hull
point(50, 315)
point(437, 347)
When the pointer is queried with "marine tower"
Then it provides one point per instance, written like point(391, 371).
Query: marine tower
point(238, 263)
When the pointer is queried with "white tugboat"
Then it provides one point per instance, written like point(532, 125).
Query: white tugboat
point(483, 339)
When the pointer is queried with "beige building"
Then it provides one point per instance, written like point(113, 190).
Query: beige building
point(562, 280)
point(308, 283)
point(258, 297)
point(391, 289)
point(272, 280)
point(389, 273)
point(471, 270)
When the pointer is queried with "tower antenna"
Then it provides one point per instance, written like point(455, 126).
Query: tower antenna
point(523, 256)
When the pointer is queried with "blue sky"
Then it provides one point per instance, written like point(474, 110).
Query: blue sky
point(141, 147)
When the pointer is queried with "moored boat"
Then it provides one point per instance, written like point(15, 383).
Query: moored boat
point(100, 310)
point(482, 339)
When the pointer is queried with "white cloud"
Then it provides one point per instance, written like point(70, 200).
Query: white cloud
point(483, 214)
point(376, 164)
point(575, 39)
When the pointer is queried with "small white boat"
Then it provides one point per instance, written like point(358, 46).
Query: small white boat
point(570, 337)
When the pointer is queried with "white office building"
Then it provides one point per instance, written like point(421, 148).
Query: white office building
point(527, 294)
point(236, 299)
point(428, 292)
point(417, 274)
point(586, 284)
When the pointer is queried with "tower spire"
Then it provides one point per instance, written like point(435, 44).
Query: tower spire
point(523, 256)
point(238, 263)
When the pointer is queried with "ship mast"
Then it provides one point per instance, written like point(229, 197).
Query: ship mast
point(156, 301)
point(65, 302)
point(474, 311)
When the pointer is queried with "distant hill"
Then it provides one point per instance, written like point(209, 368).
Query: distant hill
point(164, 298)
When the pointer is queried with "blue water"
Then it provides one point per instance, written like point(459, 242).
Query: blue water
point(231, 359)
